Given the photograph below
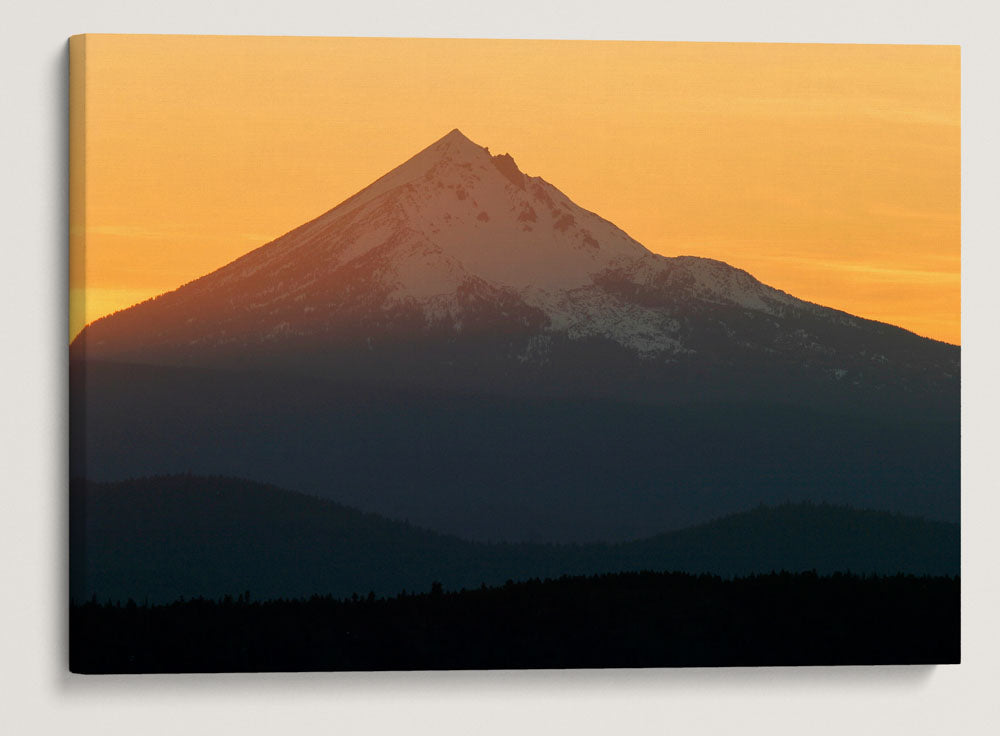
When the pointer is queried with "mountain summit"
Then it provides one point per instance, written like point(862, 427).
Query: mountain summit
point(456, 258)
point(455, 235)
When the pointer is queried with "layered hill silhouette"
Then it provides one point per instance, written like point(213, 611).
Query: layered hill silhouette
point(462, 346)
point(159, 539)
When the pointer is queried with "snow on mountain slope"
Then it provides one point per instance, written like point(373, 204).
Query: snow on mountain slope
point(451, 229)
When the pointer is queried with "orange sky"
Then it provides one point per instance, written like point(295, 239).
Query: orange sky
point(829, 171)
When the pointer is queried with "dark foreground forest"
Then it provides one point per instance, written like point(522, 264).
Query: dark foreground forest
point(643, 619)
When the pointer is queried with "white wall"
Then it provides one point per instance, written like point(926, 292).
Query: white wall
point(36, 693)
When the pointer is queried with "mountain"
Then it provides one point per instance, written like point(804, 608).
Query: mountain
point(460, 346)
point(167, 537)
point(456, 269)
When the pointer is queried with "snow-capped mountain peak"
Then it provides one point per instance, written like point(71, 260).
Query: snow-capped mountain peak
point(459, 244)
point(469, 214)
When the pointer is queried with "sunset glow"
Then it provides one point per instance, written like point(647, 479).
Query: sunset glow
point(831, 172)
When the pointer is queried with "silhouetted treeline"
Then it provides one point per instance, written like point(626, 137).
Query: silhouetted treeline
point(641, 619)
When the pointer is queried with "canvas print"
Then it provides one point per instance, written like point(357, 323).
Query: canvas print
point(405, 354)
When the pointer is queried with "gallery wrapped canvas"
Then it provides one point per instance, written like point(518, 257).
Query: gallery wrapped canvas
point(447, 354)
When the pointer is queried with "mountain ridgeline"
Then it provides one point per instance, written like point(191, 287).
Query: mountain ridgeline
point(163, 538)
point(461, 346)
